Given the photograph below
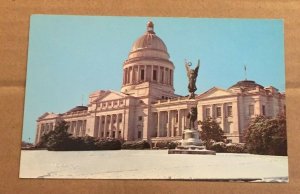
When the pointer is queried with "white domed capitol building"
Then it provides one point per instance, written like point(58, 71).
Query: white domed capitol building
point(147, 107)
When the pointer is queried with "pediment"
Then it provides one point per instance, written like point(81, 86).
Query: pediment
point(48, 115)
point(111, 95)
point(215, 92)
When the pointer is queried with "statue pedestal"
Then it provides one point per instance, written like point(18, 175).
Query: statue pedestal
point(191, 137)
point(191, 144)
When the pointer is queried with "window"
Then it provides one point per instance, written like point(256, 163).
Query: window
point(207, 112)
point(142, 74)
point(154, 75)
point(251, 109)
point(162, 76)
point(120, 118)
point(102, 134)
point(229, 111)
point(176, 118)
point(263, 110)
point(219, 113)
point(140, 118)
point(107, 134)
point(139, 134)
point(113, 134)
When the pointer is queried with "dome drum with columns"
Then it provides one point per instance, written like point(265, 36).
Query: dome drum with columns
point(147, 107)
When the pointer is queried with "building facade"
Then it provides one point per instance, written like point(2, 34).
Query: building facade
point(147, 107)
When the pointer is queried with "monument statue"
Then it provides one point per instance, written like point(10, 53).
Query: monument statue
point(192, 76)
point(192, 116)
point(191, 142)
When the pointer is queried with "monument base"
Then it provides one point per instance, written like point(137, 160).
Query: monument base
point(191, 144)
point(188, 151)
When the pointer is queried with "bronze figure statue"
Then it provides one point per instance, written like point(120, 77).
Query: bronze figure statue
point(192, 116)
point(192, 76)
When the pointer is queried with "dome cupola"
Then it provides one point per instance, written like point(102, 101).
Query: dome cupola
point(148, 66)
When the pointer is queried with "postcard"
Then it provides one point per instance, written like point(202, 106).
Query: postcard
point(155, 98)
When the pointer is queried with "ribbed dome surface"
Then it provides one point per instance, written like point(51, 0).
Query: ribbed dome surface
point(150, 41)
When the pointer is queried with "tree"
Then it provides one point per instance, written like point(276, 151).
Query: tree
point(267, 136)
point(211, 130)
point(59, 138)
point(44, 140)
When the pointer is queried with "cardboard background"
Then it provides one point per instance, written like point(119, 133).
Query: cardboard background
point(14, 30)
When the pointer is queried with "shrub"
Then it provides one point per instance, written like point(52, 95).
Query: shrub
point(166, 145)
point(235, 148)
point(60, 140)
point(267, 136)
point(108, 144)
point(135, 145)
point(218, 147)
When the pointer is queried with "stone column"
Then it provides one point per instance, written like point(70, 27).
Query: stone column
point(235, 118)
point(158, 74)
point(134, 74)
point(38, 135)
point(179, 122)
point(76, 129)
point(224, 122)
point(169, 124)
point(158, 124)
point(173, 121)
point(105, 126)
point(152, 73)
point(79, 128)
point(111, 126)
point(162, 75)
point(118, 126)
point(99, 126)
point(84, 126)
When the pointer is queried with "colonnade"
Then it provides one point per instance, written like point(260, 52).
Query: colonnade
point(169, 123)
point(153, 73)
point(108, 126)
point(77, 128)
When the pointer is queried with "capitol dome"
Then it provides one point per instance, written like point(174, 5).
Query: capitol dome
point(148, 71)
point(149, 45)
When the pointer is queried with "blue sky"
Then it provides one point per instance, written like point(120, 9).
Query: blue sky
point(71, 56)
